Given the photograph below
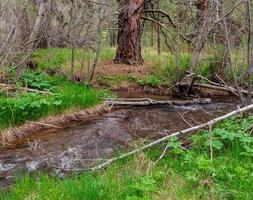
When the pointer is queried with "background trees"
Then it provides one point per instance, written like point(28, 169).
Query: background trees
point(196, 27)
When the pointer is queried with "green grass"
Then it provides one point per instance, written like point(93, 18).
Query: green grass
point(181, 174)
point(61, 57)
point(19, 107)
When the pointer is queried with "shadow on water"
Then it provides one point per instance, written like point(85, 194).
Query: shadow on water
point(99, 138)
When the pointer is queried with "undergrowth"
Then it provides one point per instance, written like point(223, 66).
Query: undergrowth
point(61, 57)
point(18, 107)
point(180, 174)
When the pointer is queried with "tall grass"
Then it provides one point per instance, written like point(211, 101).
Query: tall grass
point(19, 107)
point(61, 57)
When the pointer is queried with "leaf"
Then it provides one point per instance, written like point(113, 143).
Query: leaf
point(174, 143)
point(217, 144)
point(191, 176)
point(203, 163)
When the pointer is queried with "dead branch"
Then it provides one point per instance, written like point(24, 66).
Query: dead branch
point(166, 138)
point(150, 102)
point(214, 87)
point(25, 89)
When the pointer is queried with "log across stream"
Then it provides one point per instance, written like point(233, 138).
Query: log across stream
point(98, 139)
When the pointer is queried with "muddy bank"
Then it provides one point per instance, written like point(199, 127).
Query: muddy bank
point(73, 117)
point(51, 123)
point(169, 92)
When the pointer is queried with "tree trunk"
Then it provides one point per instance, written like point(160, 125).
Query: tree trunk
point(250, 50)
point(129, 34)
point(202, 7)
point(24, 26)
point(38, 24)
point(201, 31)
point(45, 23)
point(158, 31)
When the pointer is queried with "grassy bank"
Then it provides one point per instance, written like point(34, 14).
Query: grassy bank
point(181, 174)
point(18, 106)
point(165, 69)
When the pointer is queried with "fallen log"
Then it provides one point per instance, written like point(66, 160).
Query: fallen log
point(214, 87)
point(165, 139)
point(25, 89)
point(150, 102)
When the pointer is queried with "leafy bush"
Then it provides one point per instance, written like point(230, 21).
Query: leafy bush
point(36, 80)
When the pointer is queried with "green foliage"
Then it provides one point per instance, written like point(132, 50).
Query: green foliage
point(21, 107)
point(166, 69)
point(151, 80)
point(59, 57)
point(36, 80)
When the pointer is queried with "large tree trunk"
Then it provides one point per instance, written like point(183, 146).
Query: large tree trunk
point(129, 34)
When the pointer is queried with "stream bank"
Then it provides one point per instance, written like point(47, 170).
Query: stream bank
point(99, 134)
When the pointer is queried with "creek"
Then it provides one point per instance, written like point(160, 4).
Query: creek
point(80, 145)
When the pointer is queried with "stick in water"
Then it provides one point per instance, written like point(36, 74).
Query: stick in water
point(185, 131)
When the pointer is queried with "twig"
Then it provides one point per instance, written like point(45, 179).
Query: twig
point(13, 87)
point(211, 142)
point(50, 125)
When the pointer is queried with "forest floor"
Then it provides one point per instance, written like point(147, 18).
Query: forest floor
point(181, 174)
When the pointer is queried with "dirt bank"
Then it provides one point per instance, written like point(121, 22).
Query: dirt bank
point(64, 120)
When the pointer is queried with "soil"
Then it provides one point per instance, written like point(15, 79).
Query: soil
point(112, 69)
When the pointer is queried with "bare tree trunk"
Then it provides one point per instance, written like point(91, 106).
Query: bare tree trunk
point(201, 30)
point(152, 34)
point(23, 25)
point(7, 41)
point(99, 44)
point(33, 39)
point(158, 31)
point(113, 38)
point(250, 50)
point(38, 24)
point(229, 53)
point(202, 7)
point(129, 34)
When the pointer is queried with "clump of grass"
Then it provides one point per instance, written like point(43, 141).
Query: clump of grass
point(165, 68)
point(181, 174)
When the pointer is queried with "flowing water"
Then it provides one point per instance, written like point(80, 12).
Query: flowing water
point(79, 145)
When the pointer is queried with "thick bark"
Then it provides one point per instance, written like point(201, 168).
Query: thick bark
point(129, 34)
